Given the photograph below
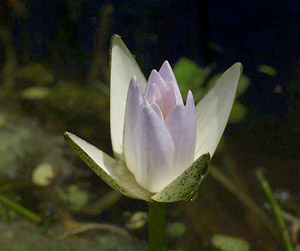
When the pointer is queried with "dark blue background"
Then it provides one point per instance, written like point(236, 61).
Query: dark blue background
point(253, 32)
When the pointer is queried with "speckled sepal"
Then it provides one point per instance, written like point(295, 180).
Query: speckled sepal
point(185, 186)
point(119, 178)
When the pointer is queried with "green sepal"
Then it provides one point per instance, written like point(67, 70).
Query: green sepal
point(120, 178)
point(185, 186)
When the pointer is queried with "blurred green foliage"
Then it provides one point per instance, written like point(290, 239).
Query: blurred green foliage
point(35, 93)
point(137, 220)
point(75, 197)
point(28, 238)
point(190, 76)
point(176, 229)
point(35, 73)
point(267, 69)
point(229, 243)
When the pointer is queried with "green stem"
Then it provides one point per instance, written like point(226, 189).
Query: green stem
point(20, 209)
point(276, 210)
point(157, 226)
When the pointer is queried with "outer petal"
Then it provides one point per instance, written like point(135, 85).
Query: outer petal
point(154, 151)
point(181, 123)
point(133, 106)
point(185, 187)
point(123, 67)
point(168, 75)
point(112, 172)
point(214, 109)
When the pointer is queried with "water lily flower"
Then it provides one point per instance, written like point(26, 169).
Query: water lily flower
point(162, 147)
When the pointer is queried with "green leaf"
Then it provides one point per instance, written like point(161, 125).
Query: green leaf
point(267, 69)
point(185, 187)
point(35, 93)
point(243, 85)
point(189, 75)
point(229, 243)
point(137, 220)
point(238, 113)
point(176, 229)
point(76, 197)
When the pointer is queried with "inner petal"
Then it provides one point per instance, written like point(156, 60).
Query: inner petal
point(160, 92)
point(168, 75)
point(167, 100)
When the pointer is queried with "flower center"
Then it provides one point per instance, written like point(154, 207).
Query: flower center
point(162, 93)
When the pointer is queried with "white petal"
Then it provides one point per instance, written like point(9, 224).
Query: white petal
point(181, 123)
point(154, 151)
point(123, 68)
point(112, 172)
point(134, 104)
point(214, 109)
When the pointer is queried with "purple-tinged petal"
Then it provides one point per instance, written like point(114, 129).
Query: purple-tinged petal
point(155, 86)
point(154, 151)
point(166, 70)
point(134, 104)
point(156, 108)
point(153, 92)
point(156, 78)
point(168, 100)
point(168, 75)
point(181, 123)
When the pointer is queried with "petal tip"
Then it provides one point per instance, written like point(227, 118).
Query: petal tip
point(154, 71)
point(133, 80)
point(68, 134)
point(238, 66)
point(189, 95)
point(190, 99)
point(115, 38)
point(166, 65)
point(154, 77)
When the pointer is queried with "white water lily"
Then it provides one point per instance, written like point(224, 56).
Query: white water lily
point(162, 147)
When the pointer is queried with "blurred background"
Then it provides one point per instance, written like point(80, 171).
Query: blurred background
point(55, 77)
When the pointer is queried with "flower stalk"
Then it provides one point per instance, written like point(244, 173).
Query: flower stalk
point(157, 226)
